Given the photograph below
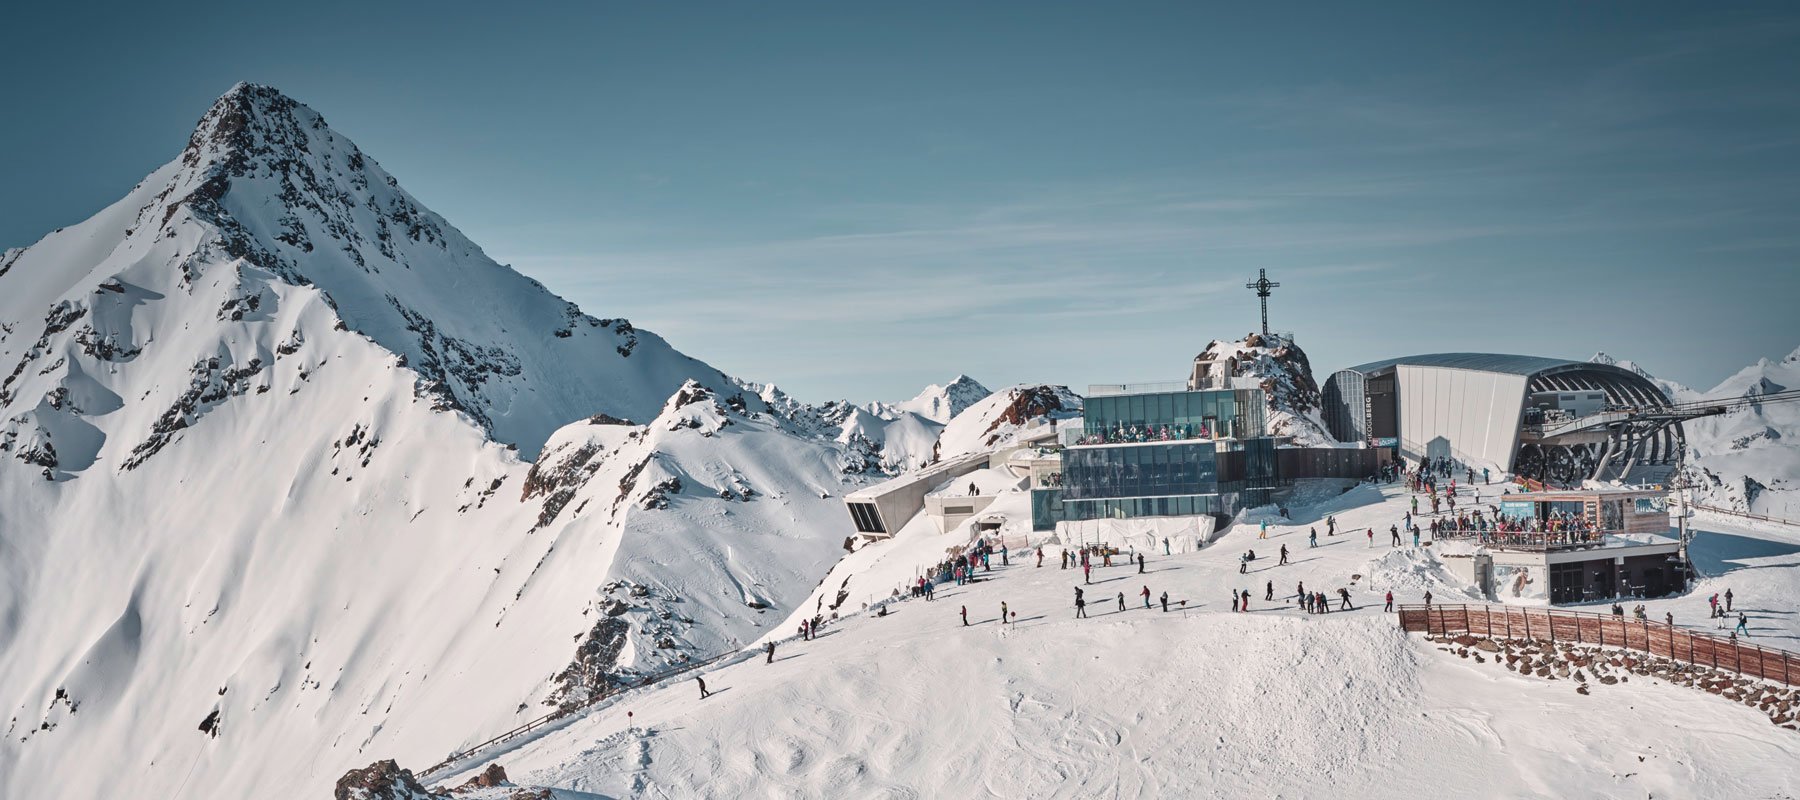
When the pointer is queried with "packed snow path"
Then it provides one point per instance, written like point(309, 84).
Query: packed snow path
point(1193, 702)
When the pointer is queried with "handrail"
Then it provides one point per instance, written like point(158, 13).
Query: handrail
point(1744, 514)
point(648, 680)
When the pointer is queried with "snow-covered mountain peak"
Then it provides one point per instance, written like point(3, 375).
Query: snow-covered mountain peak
point(268, 209)
point(937, 402)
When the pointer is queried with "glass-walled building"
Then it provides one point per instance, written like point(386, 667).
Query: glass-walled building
point(1162, 454)
point(1163, 416)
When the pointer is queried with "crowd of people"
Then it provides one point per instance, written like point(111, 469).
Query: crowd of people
point(1126, 434)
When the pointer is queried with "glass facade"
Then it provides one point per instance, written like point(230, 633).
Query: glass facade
point(1131, 507)
point(1234, 413)
point(1154, 455)
point(1156, 469)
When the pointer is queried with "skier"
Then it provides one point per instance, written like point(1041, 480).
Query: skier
point(1040, 557)
point(1243, 564)
point(1389, 608)
point(1269, 593)
point(1394, 533)
point(1313, 540)
point(1080, 607)
point(1263, 530)
point(771, 645)
point(1140, 563)
point(1165, 602)
point(1087, 573)
point(703, 692)
point(1484, 475)
point(1283, 556)
point(1234, 601)
point(1300, 594)
point(1714, 601)
point(1415, 536)
point(1331, 525)
point(1165, 545)
point(1371, 537)
point(1743, 625)
point(1345, 595)
point(1121, 602)
point(965, 616)
point(1146, 594)
point(1727, 601)
point(1427, 598)
point(1002, 612)
point(1246, 596)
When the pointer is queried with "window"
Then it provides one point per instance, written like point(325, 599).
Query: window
point(867, 519)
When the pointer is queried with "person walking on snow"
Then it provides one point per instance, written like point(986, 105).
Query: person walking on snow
point(1140, 563)
point(1669, 618)
point(1743, 625)
point(703, 692)
point(965, 616)
point(1345, 595)
point(1243, 564)
point(1394, 533)
point(1269, 593)
point(1427, 598)
point(1165, 545)
point(1300, 594)
point(1087, 573)
point(1714, 602)
point(1165, 602)
point(1313, 540)
point(1121, 602)
point(1389, 608)
point(771, 659)
point(1002, 612)
point(1246, 596)
point(1146, 594)
point(1727, 601)
point(1283, 556)
point(1415, 536)
point(1263, 530)
point(1080, 607)
point(1371, 537)
point(1040, 557)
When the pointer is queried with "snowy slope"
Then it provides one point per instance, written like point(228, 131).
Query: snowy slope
point(1001, 417)
point(938, 403)
point(254, 467)
point(1196, 702)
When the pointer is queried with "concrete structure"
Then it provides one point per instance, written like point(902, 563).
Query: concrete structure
point(1533, 416)
point(885, 508)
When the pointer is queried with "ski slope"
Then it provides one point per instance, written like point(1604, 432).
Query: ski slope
point(1195, 702)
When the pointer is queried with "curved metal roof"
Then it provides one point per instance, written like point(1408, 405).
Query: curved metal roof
point(1484, 362)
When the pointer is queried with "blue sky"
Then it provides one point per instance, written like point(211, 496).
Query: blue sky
point(854, 200)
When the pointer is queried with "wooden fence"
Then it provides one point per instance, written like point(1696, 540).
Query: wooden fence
point(1557, 625)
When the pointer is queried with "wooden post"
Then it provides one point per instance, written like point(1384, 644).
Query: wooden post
point(1528, 623)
